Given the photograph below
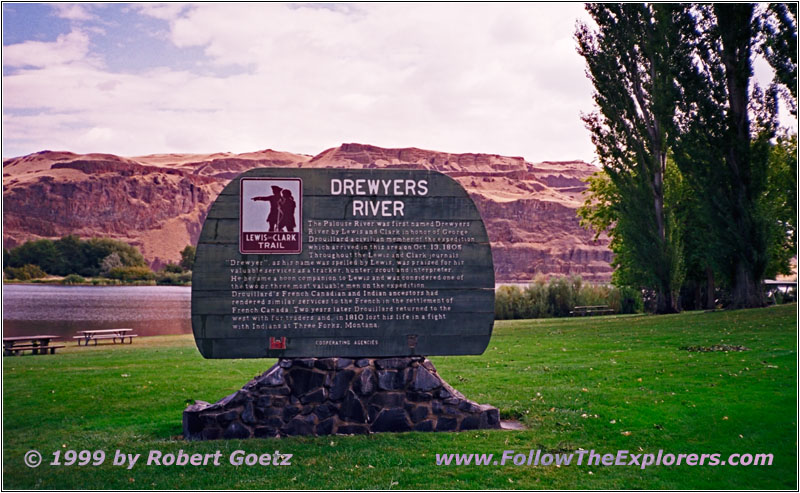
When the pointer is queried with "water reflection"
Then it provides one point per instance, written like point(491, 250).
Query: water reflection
point(64, 310)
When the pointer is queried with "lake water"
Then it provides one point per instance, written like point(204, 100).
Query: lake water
point(64, 310)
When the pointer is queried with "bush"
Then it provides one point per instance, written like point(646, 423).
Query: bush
point(505, 299)
point(73, 279)
point(187, 257)
point(25, 273)
point(559, 296)
point(42, 253)
point(111, 261)
point(71, 255)
point(630, 300)
point(173, 278)
point(173, 268)
point(534, 300)
point(127, 274)
point(97, 249)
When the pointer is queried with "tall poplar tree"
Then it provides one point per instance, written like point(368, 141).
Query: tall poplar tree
point(778, 25)
point(721, 149)
point(630, 60)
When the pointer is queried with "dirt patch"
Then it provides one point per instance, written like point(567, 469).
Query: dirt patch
point(511, 425)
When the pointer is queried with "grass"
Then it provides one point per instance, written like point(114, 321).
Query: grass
point(603, 383)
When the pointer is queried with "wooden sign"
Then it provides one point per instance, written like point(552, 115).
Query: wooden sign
point(353, 263)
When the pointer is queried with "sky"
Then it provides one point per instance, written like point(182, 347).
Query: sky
point(135, 79)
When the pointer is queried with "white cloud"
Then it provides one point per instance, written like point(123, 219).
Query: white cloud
point(461, 78)
point(73, 11)
point(165, 11)
point(65, 49)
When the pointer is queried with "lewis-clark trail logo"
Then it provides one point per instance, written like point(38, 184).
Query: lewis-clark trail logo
point(270, 211)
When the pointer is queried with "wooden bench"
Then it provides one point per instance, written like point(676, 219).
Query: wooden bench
point(114, 337)
point(591, 310)
point(37, 344)
point(34, 349)
point(95, 335)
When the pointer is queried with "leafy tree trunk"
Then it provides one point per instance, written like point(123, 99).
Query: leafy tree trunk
point(724, 146)
point(710, 289)
point(735, 28)
point(629, 60)
point(666, 301)
point(747, 292)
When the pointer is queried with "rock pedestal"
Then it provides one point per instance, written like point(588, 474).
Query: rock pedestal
point(324, 396)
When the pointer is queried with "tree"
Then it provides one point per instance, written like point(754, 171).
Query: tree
point(42, 253)
point(780, 203)
point(721, 149)
point(676, 80)
point(71, 255)
point(778, 26)
point(602, 212)
point(699, 250)
point(112, 261)
point(25, 273)
point(630, 60)
point(187, 257)
point(173, 268)
point(73, 258)
point(97, 249)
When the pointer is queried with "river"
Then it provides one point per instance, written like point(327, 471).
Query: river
point(64, 310)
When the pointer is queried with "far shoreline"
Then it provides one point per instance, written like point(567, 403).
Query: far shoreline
point(92, 283)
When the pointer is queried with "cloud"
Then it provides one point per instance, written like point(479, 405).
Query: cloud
point(65, 49)
point(469, 78)
point(73, 11)
point(164, 11)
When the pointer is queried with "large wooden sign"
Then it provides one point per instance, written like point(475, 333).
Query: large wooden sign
point(325, 262)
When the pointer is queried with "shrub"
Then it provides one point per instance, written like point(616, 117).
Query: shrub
point(173, 278)
point(111, 261)
point(127, 274)
point(71, 255)
point(630, 300)
point(187, 257)
point(25, 273)
point(42, 253)
point(559, 296)
point(534, 302)
point(73, 279)
point(505, 299)
point(173, 268)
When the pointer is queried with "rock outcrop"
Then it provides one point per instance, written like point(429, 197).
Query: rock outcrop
point(326, 396)
point(158, 202)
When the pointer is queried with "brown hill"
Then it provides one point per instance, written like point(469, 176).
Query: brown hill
point(158, 202)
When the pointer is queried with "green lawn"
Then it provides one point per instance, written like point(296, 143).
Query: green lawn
point(603, 383)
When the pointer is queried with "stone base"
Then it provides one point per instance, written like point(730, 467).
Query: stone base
point(324, 396)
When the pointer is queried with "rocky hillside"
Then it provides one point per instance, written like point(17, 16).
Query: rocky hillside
point(158, 202)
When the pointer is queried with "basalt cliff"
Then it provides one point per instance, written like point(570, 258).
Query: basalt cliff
point(158, 202)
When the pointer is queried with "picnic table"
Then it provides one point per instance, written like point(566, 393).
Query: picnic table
point(95, 335)
point(591, 310)
point(37, 344)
